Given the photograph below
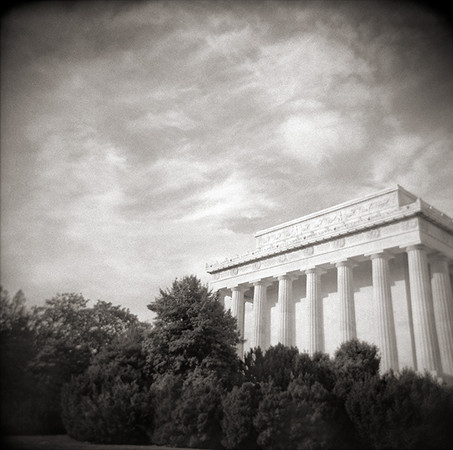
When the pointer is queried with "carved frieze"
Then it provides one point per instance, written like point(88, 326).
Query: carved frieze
point(338, 243)
point(329, 222)
point(373, 234)
point(344, 242)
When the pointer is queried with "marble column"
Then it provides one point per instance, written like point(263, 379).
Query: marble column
point(260, 312)
point(443, 310)
point(426, 343)
point(287, 313)
point(315, 311)
point(221, 294)
point(345, 289)
point(382, 297)
point(238, 310)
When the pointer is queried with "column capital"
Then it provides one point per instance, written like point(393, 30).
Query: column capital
point(287, 276)
point(384, 254)
point(262, 282)
point(416, 247)
point(316, 270)
point(345, 263)
point(239, 288)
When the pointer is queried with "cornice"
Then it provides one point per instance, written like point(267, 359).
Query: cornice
point(408, 211)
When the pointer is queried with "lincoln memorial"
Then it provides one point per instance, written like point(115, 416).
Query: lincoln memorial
point(376, 268)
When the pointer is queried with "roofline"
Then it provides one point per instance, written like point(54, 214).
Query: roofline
point(395, 188)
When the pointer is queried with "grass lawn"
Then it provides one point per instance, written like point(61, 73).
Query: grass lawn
point(64, 442)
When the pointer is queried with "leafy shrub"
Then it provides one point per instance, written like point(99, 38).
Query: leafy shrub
point(68, 335)
point(24, 403)
point(110, 402)
point(240, 406)
point(305, 416)
point(199, 412)
point(317, 368)
point(165, 391)
point(407, 411)
point(272, 420)
point(354, 361)
point(277, 365)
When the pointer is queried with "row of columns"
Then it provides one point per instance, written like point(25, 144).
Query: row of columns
point(432, 310)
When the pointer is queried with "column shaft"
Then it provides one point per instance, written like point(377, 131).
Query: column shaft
point(443, 311)
point(286, 305)
point(315, 311)
point(384, 312)
point(346, 296)
point(260, 311)
point(221, 297)
point(426, 344)
point(237, 310)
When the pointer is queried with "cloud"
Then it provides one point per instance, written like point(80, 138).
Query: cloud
point(163, 119)
point(141, 140)
point(233, 197)
point(315, 136)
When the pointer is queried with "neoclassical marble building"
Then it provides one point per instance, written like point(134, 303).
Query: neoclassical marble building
point(376, 268)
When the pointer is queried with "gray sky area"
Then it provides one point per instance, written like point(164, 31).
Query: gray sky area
point(140, 140)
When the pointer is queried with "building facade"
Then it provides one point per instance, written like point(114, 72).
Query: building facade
point(377, 268)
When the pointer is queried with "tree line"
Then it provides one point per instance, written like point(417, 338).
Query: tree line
point(100, 375)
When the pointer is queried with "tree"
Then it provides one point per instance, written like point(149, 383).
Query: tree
point(13, 312)
point(192, 330)
point(68, 333)
point(198, 412)
point(406, 410)
point(20, 411)
point(110, 403)
point(240, 406)
point(166, 391)
point(318, 368)
point(354, 361)
point(272, 421)
point(277, 364)
point(304, 416)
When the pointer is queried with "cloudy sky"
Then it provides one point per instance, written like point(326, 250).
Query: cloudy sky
point(140, 140)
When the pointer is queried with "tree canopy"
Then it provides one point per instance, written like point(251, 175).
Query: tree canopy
point(102, 376)
point(192, 330)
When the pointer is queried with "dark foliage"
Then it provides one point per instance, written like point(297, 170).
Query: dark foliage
point(68, 333)
point(407, 411)
point(240, 406)
point(110, 403)
point(192, 330)
point(305, 416)
point(165, 393)
point(354, 361)
point(22, 400)
point(187, 413)
point(318, 368)
point(198, 413)
point(115, 380)
point(278, 364)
